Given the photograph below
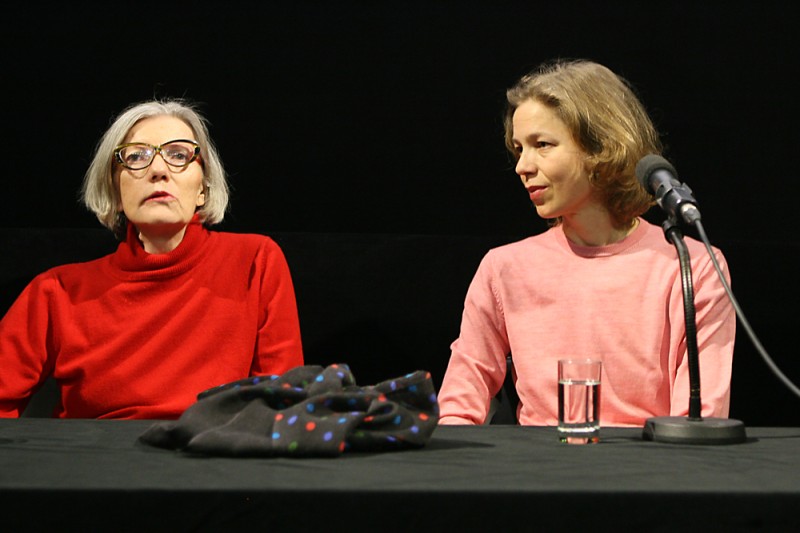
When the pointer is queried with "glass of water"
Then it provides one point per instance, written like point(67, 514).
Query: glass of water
point(579, 400)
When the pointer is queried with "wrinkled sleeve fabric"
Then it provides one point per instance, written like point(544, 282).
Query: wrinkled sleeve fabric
point(278, 344)
point(716, 330)
point(25, 346)
point(477, 366)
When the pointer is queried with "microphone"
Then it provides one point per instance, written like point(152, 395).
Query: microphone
point(659, 178)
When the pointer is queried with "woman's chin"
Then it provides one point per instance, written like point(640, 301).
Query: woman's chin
point(544, 212)
point(160, 224)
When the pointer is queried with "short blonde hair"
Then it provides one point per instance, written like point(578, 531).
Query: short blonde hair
point(101, 195)
point(605, 118)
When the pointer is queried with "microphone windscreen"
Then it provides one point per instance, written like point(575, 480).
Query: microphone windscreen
point(649, 164)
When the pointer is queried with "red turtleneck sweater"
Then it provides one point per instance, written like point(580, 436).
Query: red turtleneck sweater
point(135, 335)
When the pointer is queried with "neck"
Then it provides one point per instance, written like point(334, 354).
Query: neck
point(161, 240)
point(596, 230)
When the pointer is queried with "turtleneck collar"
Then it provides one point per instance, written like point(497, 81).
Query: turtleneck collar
point(134, 262)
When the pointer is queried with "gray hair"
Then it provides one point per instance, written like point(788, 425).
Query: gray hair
point(101, 195)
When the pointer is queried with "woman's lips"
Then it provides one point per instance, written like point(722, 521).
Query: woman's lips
point(536, 193)
point(159, 195)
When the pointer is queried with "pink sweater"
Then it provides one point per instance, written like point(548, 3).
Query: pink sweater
point(544, 299)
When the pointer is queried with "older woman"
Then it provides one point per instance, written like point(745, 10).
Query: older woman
point(176, 309)
point(601, 282)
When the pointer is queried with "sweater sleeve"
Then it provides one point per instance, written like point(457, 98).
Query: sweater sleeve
point(278, 344)
point(25, 342)
point(477, 365)
point(716, 326)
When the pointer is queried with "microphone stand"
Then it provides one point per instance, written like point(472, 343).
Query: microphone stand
point(693, 429)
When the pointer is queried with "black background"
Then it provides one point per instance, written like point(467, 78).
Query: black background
point(384, 117)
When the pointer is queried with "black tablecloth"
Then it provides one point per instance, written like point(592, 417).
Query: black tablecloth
point(93, 475)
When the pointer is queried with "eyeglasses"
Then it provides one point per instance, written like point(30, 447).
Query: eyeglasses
point(177, 153)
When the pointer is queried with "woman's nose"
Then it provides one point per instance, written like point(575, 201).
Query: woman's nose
point(158, 169)
point(525, 164)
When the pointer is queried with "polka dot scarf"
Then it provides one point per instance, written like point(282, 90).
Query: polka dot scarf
point(308, 411)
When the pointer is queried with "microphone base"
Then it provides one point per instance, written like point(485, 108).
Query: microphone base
point(682, 430)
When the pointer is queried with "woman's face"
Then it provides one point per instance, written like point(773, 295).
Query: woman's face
point(160, 196)
point(551, 165)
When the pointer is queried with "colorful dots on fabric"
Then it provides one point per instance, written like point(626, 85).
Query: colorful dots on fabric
point(308, 411)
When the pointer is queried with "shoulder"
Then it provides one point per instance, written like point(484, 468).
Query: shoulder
point(245, 241)
point(536, 245)
point(66, 278)
point(664, 250)
point(657, 235)
point(247, 248)
point(517, 259)
point(69, 272)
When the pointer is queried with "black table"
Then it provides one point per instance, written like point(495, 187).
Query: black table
point(88, 475)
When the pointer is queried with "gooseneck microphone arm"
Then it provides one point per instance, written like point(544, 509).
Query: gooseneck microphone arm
point(674, 235)
point(659, 178)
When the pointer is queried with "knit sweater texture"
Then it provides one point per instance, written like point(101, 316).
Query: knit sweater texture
point(545, 298)
point(138, 335)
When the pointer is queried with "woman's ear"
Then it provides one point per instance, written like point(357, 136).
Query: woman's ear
point(201, 196)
